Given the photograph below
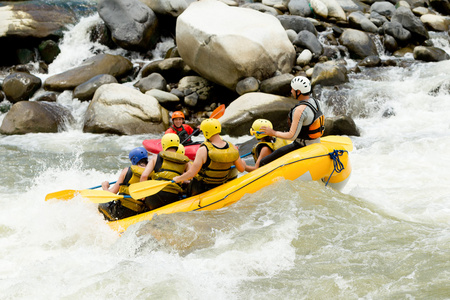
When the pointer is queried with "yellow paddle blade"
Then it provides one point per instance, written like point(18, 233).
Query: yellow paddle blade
point(99, 196)
point(345, 141)
point(146, 188)
point(62, 195)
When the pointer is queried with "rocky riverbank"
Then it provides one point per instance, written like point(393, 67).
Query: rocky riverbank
point(241, 53)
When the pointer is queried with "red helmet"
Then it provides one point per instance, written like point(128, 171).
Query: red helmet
point(178, 114)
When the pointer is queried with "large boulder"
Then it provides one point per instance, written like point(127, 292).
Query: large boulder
point(20, 86)
point(115, 65)
point(118, 109)
point(36, 20)
point(241, 113)
point(225, 44)
point(34, 117)
point(133, 25)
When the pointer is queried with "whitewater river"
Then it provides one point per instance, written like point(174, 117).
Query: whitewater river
point(386, 235)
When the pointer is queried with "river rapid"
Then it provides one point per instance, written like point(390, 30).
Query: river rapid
point(386, 235)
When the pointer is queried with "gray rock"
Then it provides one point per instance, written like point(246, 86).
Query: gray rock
point(370, 61)
point(34, 117)
point(197, 84)
point(262, 8)
point(297, 23)
point(383, 8)
point(86, 90)
point(48, 50)
point(340, 125)
point(35, 19)
point(358, 43)
point(278, 85)
point(168, 7)
point(247, 85)
point(299, 8)
point(115, 65)
point(152, 81)
point(241, 113)
point(122, 110)
point(359, 21)
point(172, 69)
point(20, 86)
point(224, 48)
point(430, 54)
point(48, 97)
point(133, 25)
point(329, 74)
point(410, 22)
point(308, 40)
point(396, 30)
point(191, 99)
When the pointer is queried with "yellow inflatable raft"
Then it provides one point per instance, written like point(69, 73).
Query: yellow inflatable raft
point(327, 161)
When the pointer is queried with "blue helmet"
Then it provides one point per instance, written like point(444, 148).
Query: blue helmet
point(137, 154)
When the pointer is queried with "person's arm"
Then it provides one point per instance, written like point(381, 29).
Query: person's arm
point(200, 159)
point(115, 188)
point(240, 165)
point(148, 169)
point(294, 130)
point(263, 153)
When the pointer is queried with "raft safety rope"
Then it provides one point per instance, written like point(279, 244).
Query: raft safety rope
point(338, 165)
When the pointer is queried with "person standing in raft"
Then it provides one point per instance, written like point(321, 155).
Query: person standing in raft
point(306, 121)
point(165, 166)
point(178, 127)
point(213, 161)
point(126, 207)
point(266, 144)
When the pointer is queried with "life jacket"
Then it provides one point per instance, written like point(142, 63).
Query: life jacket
point(316, 128)
point(182, 134)
point(133, 176)
point(169, 165)
point(216, 169)
point(275, 144)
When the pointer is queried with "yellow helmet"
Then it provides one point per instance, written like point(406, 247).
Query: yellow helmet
point(181, 149)
point(210, 127)
point(170, 140)
point(256, 126)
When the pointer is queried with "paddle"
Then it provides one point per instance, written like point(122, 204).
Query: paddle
point(101, 196)
point(150, 187)
point(147, 188)
point(217, 113)
point(68, 194)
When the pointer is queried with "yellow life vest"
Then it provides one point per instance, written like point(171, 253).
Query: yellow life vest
point(217, 167)
point(169, 165)
point(276, 143)
point(133, 176)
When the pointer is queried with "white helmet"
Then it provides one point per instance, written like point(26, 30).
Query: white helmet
point(302, 84)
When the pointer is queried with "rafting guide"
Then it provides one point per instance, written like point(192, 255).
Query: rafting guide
point(306, 121)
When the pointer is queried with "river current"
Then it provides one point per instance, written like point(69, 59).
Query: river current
point(386, 235)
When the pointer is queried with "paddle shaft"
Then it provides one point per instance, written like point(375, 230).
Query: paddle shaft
point(217, 113)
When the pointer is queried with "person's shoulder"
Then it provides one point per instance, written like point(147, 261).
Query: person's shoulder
point(169, 130)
